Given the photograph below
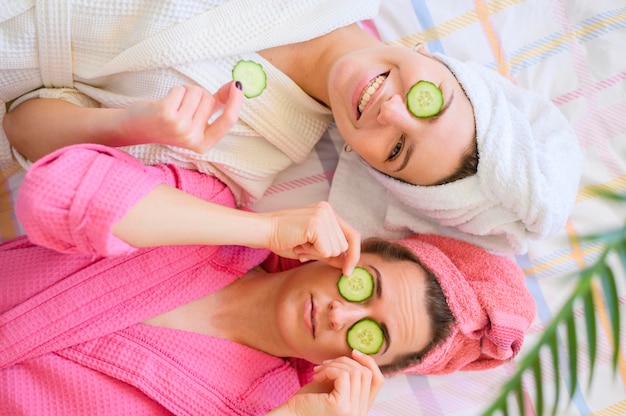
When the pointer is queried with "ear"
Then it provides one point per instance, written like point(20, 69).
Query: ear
point(421, 48)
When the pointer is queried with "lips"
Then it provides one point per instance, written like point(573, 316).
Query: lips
point(309, 316)
point(369, 91)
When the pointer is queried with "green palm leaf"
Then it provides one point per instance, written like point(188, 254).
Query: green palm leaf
point(610, 295)
point(612, 241)
point(590, 321)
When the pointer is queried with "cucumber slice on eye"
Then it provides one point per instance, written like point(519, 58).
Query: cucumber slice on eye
point(252, 77)
point(365, 336)
point(357, 287)
point(424, 99)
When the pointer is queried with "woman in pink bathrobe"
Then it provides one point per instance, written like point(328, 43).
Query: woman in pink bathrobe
point(116, 329)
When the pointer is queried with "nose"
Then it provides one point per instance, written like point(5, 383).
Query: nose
point(392, 111)
point(344, 314)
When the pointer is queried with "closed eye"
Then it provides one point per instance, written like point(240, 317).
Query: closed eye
point(397, 149)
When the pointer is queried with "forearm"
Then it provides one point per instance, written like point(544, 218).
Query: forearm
point(103, 201)
point(71, 199)
point(39, 126)
point(99, 200)
point(169, 216)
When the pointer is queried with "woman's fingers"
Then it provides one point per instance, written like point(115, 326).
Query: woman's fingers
point(331, 239)
point(355, 383)
point(353, 250)
point(377, 380)
point(230, 99)
point(188, 109)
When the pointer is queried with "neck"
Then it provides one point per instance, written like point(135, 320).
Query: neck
point(245, 312)
point(309, 63)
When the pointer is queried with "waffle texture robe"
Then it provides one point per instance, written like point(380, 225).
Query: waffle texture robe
point(113, 53)
point(70, 338)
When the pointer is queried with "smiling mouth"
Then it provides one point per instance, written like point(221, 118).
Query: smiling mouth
point(369, 90)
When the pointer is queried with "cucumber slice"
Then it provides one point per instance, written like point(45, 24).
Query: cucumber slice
point(424, 99)
point(366, 336)
point(252, 77)
point(357, 287)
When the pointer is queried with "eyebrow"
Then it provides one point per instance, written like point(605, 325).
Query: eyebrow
point(379, 293)
point(409, 151)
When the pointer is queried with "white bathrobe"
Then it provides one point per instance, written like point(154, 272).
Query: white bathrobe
point(115, 52)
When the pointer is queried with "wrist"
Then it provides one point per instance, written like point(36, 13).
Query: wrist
point(104, 126)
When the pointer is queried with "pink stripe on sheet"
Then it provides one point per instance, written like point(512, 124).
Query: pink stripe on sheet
point(596, 127)
point(300, 182)
point(598, 86)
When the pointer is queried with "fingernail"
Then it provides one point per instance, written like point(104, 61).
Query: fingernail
point(357, 352)
point(238, 85)
point(304, 260)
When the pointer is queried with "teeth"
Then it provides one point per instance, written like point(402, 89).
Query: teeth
point(369, 90)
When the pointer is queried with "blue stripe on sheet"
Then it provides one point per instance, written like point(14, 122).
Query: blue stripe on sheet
point(557, 263)
point(606, 25)
point(532, 283)
point(424, 18)
point(596, 27)
point(421, 384)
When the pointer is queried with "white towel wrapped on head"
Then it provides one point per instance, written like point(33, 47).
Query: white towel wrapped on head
point(525, 186)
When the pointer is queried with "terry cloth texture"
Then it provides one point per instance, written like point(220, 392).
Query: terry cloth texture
point(487, 294)
point(528, 174)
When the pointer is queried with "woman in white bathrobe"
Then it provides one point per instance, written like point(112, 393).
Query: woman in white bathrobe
point(317, 60)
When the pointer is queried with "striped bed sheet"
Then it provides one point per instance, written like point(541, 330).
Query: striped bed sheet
point(572, 51)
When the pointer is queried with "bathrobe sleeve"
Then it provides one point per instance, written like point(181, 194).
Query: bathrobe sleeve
point(71, 199)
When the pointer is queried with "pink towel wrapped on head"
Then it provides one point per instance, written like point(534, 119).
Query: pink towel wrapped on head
point(486, 293)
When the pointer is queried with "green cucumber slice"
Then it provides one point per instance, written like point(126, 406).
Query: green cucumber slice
point(252, 77)
point(424, 99)
point(357, 287)
point(365, 336)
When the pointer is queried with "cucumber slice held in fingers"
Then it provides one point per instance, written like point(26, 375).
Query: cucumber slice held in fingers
point(366, 336)
point(252, 77)
point(424, 99)
point(356, 287)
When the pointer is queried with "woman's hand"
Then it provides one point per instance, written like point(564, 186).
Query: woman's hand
point(343, 386)
point(314, 232)
point(181, 118)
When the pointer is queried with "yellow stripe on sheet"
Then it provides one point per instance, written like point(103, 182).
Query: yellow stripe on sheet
point(537, 268)
point(617, 409)
point(484, 13)
point(591, 191)
point(453, 25)
point(573, 36)
point(577, 254)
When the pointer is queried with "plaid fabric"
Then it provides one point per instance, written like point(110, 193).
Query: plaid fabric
point(571, 51)
point(568, 51)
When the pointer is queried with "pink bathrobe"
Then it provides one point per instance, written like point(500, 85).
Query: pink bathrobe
point(70, 341)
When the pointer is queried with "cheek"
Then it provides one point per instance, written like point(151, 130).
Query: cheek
point(331, 346)
point(367, 146)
